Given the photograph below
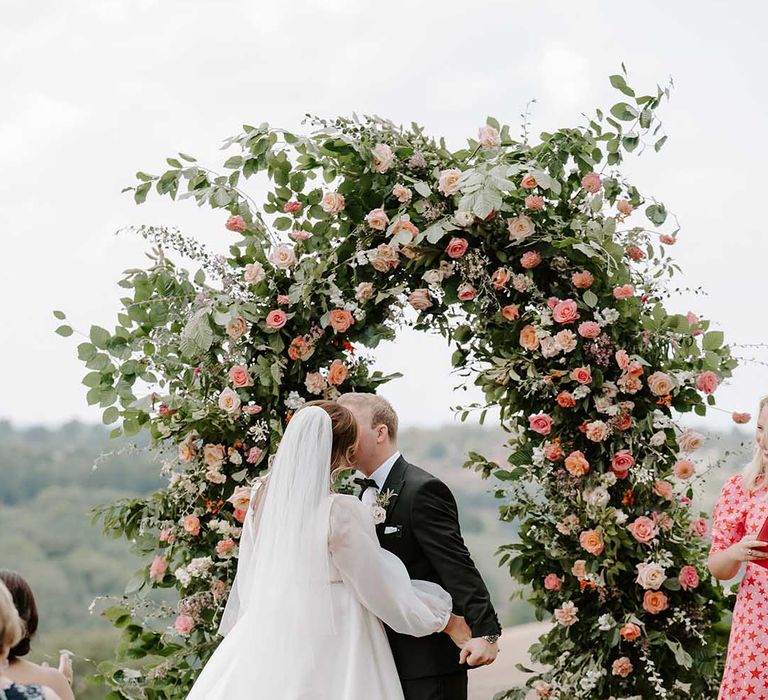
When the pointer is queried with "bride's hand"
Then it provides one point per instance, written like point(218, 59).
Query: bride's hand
point(458, 630)
point(746, 549)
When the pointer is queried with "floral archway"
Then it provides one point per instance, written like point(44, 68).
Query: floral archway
point(537, 262)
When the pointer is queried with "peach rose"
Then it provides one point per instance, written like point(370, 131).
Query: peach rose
point(624, 207)
point(420, 299)
point(364, 291)
point(690, 440)
point(707, 382)
point(643, 529)
point(157, 568)
point(684, 469)
point(565, 311)
point(377, 219)
point(448, 181)
point(589, 329)
point(405, 225)
point(552, 582)
point(240, 497)
point(629, 384)
point(530, 260)
point(689, 578)
point(337, 373)
point(592, 541)
point(655, 602)
point(528, 338)
point(660, 384)
point(534, 202)
point(511, 312)
point(253, 273)
point(553, 451)
point(386, 258)
point(184, 624)
point(741, 418)
point(213, 455)
point(582, 375)
point(566, 614)
point(621, 463)
point(622, 667)
point(666, 239)
point(333, 202)
point(629, 632)
point(565, 400)
point(663, 489)
point(579, 569)
point(597, 431)
point(236, 224)
point(191, 525)
point(402, 193)
point(229, 401)
point(622, 359)
point(582, 280)
point(466, 292)
point(237, 328)
point(520, 227)
point(315, 383)
point(167, 535)
point(225, 547)
point(500, 278)
point(625, 291)
point(542, 689)
point(576, 463)
point(566, 340)
point(340, 320)
point(187, 449)
point(457, 247)
point(650, 576)
point(239, 376)
point(540, 423)
point(383, 157)
point(283, 257)
point(300, 348)
point(489, 137)
point(591, 182)
point(276, 319)
point(528, 182)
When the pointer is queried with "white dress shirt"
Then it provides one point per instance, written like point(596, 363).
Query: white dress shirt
point(380, 477)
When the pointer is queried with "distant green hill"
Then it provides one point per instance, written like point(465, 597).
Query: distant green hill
point(48, 484)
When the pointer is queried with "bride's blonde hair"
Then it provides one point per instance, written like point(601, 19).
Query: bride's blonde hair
point(755, 472)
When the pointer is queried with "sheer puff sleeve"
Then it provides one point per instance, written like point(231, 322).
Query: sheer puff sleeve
point(729, 516)
point(378, 578)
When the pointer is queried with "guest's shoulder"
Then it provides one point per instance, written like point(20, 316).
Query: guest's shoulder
point(733, 488)
point(52, 678)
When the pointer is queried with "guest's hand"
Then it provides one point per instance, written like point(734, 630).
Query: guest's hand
point(65, 665)
point(458, 630)
point(745, 550)
point(479, 652)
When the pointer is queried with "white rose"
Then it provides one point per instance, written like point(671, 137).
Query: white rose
point(448, 182)
point(229, 401)
point(364, 291)
point(383, 158)
point(379, 514)
point(658, 439)
point(650, 576)
point(333, 202)
point(315, 383)
point(549, 346)
point(598, 497)
point(620, 515)
point(283, 256)
point(464, 218)
point(254, 273)
point(433, 277)
point(489, 137)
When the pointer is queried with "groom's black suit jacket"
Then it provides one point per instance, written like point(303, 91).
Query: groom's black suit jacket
point(422, 529)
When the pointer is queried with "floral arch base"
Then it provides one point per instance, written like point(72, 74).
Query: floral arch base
point(536, 261)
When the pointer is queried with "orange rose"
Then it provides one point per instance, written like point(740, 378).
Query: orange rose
point(338, 372)
point(630, 632)
point(655, 602)
point(340, 320)
point(528, 338)
point(511, 312)
point(592, 541)
point(576, 463)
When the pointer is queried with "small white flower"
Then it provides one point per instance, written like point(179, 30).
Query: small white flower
point(379, 514)
point(620, 515)
point(293, 402)
point(464, 218)
point(606, 622)
point(183, 576)
point(658, 439)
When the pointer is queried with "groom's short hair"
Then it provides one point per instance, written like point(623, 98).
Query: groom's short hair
point(382, 412)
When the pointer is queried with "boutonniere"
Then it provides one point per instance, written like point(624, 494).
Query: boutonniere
point(379, 508)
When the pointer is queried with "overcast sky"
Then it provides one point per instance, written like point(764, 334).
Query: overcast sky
point(93, 90)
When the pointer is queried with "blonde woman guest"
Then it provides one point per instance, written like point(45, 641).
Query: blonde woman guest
point(739, 514)
point(11, 632)
point(20, 669)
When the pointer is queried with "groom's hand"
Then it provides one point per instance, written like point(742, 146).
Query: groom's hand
point(458, 630)
point(478, 652)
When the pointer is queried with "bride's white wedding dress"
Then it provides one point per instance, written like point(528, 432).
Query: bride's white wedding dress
point(304, 620)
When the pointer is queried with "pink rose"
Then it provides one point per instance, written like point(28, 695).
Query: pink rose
point(621, 463)
point(663, 489)
point(666, 239)
point(239, 515)
point(530, 260)
point(254, 455)
point(582, 375)
point(582, 280)
point(699, 526)
point(191, 525)
point(528, 182)
point(565, 311)
point(540, 423)
point(689, 578)
point(520, 227)
point(534, 202)
point(457, 247)
point(591, 182)
point(225, 547)
point(157, 568)
point(635, 253)
point(332, 203)
point(402, 193)
point(643, 529)
point(589, 329)
point(684, 469)
point(707, 382)
point(167, 535)
point(622, 359)
point(420, 299)
point(741, 418)
point(624, 292)
point(236, 224)
point(239, 376)
point(276, 319)
point(466, 292)
point(252, 410)
point(292, 207)
point(184, 624)
point(622, 667)
point(377, 219)
point(300, 235)
point(500, 278)
point(624, 207)
point(552, 582)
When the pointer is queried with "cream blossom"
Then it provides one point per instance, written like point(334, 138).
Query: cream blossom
point(229, 401)
point(650, 576)
point(283, 257)
point(333, 202)
point(402, 193)
point(520, 228)
point(383, 157)
point(567, 614)
point(377, 219)
point(489, 137)
point(448, 181)
point(254, 273)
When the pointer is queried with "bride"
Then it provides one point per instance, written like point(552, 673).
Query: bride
point(304, 618)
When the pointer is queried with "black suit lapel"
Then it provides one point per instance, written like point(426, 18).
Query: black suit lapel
point(394, 483)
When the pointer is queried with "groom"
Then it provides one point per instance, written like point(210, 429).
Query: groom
point(422, 528)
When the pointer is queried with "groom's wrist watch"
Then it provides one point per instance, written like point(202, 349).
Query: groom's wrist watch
point(491, 638)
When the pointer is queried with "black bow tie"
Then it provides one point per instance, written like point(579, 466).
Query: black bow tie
point(365, 484)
